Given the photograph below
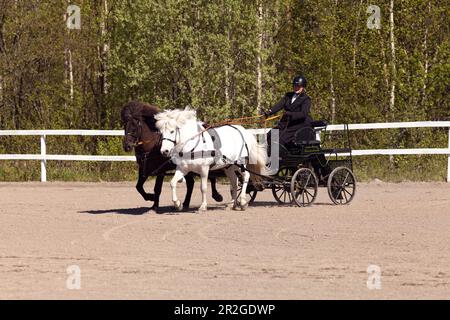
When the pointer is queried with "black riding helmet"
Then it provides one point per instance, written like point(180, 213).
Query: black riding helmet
point(299, 81)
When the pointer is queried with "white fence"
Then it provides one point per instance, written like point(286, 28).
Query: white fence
point(44, 157)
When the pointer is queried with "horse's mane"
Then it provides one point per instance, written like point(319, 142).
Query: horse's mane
point(137, 110)
point(171, 119)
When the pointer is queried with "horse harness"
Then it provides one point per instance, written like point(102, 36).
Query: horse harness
point(215, 153)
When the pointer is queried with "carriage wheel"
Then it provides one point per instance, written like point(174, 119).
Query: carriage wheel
point(281, 192)
point(341, 185)
point(252, 193)
point(304, 187)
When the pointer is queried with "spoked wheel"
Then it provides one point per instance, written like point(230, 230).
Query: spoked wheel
point(281, 192)
point(252, 194)
point(341, 185)
point(304, 187)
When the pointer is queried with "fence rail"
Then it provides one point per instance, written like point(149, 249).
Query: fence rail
point(44, 157)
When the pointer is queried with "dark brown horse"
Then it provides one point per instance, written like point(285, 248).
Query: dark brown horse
point(142, 135)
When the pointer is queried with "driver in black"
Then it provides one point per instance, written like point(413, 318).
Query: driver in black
point(296, 116)
point(296, 106)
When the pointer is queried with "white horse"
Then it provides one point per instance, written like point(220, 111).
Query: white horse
point(195, 149)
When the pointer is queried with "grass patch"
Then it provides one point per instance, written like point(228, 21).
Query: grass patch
point(385, 168)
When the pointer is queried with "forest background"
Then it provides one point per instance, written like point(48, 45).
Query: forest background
point(366, 61)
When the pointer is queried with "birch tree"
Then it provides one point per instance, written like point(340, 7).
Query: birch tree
point(393, 60)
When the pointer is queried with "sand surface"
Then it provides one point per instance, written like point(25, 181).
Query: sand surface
point(267, 252)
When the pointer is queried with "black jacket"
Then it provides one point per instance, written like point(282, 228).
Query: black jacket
point(296, 115)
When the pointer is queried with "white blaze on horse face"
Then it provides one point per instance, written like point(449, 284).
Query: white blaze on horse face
point(168, 141)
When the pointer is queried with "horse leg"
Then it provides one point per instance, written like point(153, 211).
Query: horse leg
point(140, 188)
point(215, 194)
point(157, 189)
point(190, 186)
point(242, 200)
point(173, 184)
point(204, 188)
point(231, 174)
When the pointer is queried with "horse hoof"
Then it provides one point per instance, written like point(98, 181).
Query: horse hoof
point(230, 205)
point(217, 197)
point(202, 208)
point(243, 206)
point(178, 205)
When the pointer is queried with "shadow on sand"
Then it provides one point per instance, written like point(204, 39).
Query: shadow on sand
point(270, 204)
point(129, 211)
point(169, 210)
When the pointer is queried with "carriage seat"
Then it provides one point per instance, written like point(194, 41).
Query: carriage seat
point(307, 136)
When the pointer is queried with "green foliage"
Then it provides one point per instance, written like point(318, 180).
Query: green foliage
point(207, 54)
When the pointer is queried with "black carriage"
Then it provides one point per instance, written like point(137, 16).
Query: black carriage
point(307, 164)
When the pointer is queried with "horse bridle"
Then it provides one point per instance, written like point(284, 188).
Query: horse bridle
point(174, 141)
point(138, 138)
point(177, 133)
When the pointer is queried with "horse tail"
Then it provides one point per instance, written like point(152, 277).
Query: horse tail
point(257, 162)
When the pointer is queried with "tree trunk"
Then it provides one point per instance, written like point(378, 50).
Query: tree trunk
point(227, 73)
point(385, 65)
point(393, 61)
point(105, 48)
point(69, 72)
point(2, 49)
point(333, 96)
point(385, 72)
point(393, 67)
point(425, 49)
point(332, 57)
point(68, 67)
point(1, 90)
point(102, 50)
point(71, 75)
point(1, 70)
point(355, 38)
point(259, 57)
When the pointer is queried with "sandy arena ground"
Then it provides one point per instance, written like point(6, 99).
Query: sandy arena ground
point(266, 252)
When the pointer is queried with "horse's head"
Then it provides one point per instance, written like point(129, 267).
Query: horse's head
point(139, 124)
point(176, 126)
point(133, 133)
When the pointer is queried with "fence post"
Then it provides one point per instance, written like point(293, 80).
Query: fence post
point(43, 161)
point(448, 162)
